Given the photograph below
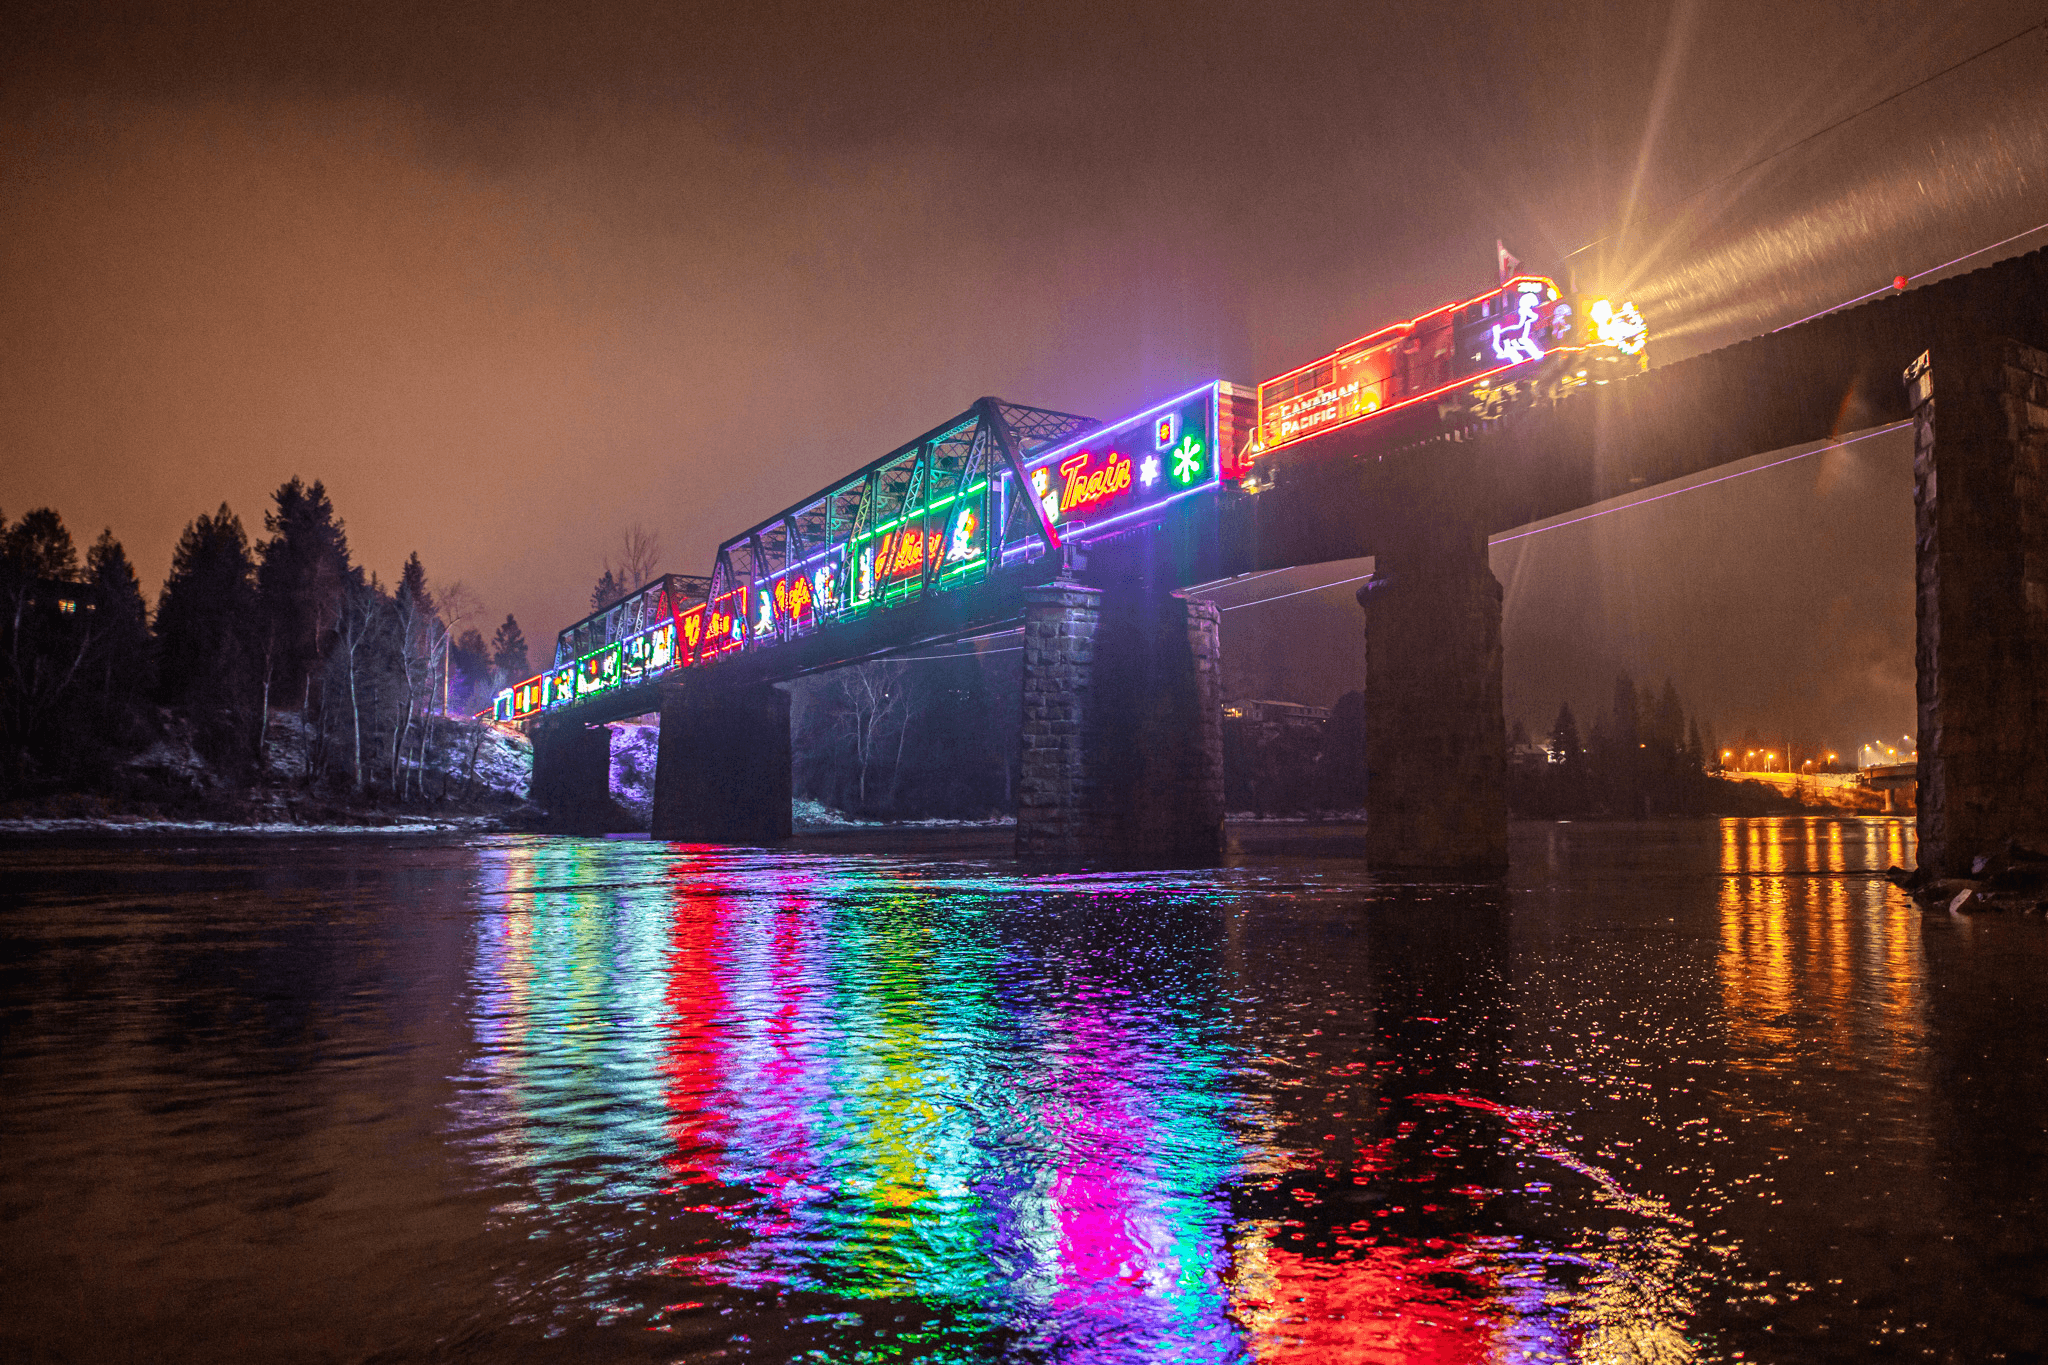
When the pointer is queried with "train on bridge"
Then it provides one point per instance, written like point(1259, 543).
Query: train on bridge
point(1002, 486)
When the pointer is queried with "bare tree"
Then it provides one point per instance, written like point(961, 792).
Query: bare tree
point(38, 677)
point(913, 697)
point(360, 606)
point(871, 711)
point(408, 617)
point(639, 557)
point(457, 604)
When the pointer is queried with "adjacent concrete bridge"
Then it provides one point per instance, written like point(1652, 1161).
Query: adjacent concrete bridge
point(1122, 752)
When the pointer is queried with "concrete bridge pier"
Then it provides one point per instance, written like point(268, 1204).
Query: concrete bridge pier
point(1980, 491)
point(1435, 740)
point(722, 775)
point(572, 776)
point(1122, 759)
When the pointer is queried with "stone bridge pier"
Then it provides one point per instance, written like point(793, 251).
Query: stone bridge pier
point(1435, 740)
point(1980, 492)
point(572, 776)
point(1122, 742)
point(723, 772)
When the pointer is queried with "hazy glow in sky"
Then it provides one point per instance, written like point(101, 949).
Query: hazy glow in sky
point(508, 288)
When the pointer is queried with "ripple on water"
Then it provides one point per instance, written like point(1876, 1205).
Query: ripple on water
point(872, 1108)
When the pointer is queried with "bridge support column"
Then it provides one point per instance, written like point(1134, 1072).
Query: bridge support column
point(1435, 742)
point(723, 774)
point(572, 777)
point(1980, 491)
point(1123, 728)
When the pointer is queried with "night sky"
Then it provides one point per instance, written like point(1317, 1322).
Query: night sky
point(508, 278)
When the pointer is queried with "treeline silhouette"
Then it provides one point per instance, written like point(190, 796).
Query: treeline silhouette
point(1643, 757)
point(274, 659)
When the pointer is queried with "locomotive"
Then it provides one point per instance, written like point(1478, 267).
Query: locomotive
point(1525, 331)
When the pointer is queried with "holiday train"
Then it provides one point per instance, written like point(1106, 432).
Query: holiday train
point(949, 520)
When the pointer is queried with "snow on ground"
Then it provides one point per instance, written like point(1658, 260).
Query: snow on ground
point(636, 749)
point(809, 814)
point(1322, 817)
point(504, 761)
point(400, 825)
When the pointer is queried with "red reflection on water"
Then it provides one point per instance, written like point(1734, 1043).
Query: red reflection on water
point(696, 999)
point(1386, 1304)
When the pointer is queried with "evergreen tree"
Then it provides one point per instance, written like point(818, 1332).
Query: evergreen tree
point(301, 579)
point(607, 591)
point(124, 661)
point(39, 548)
point(205, 621)
point(412, 586)
point(1666, 729)
point(508, 653)
point(205, 612)
point(45, 641)
point(1564, 738)
point(469, 661)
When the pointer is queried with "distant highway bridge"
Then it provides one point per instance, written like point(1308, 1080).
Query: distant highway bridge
point(1412, 445)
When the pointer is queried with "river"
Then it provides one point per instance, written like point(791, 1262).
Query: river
point(1706, 1090)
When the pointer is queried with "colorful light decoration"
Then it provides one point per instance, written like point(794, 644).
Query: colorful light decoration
point(864, 581)
point(1041, 488)
point(1109, 476)
point(1519, 340)
point(961, 545)
point(793, 599)
point(1622, 328)
point(1084, 486)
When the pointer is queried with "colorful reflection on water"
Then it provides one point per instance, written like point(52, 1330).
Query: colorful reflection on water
point(1676, 1091)
point(864, 1093)
point(1056, 1118)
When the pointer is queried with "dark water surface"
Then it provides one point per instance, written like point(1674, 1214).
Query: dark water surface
point(1703, 1091)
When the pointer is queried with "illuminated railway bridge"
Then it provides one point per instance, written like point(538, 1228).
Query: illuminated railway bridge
point(1412, 445)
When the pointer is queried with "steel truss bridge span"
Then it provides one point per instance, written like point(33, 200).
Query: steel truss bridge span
point(934, 540)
